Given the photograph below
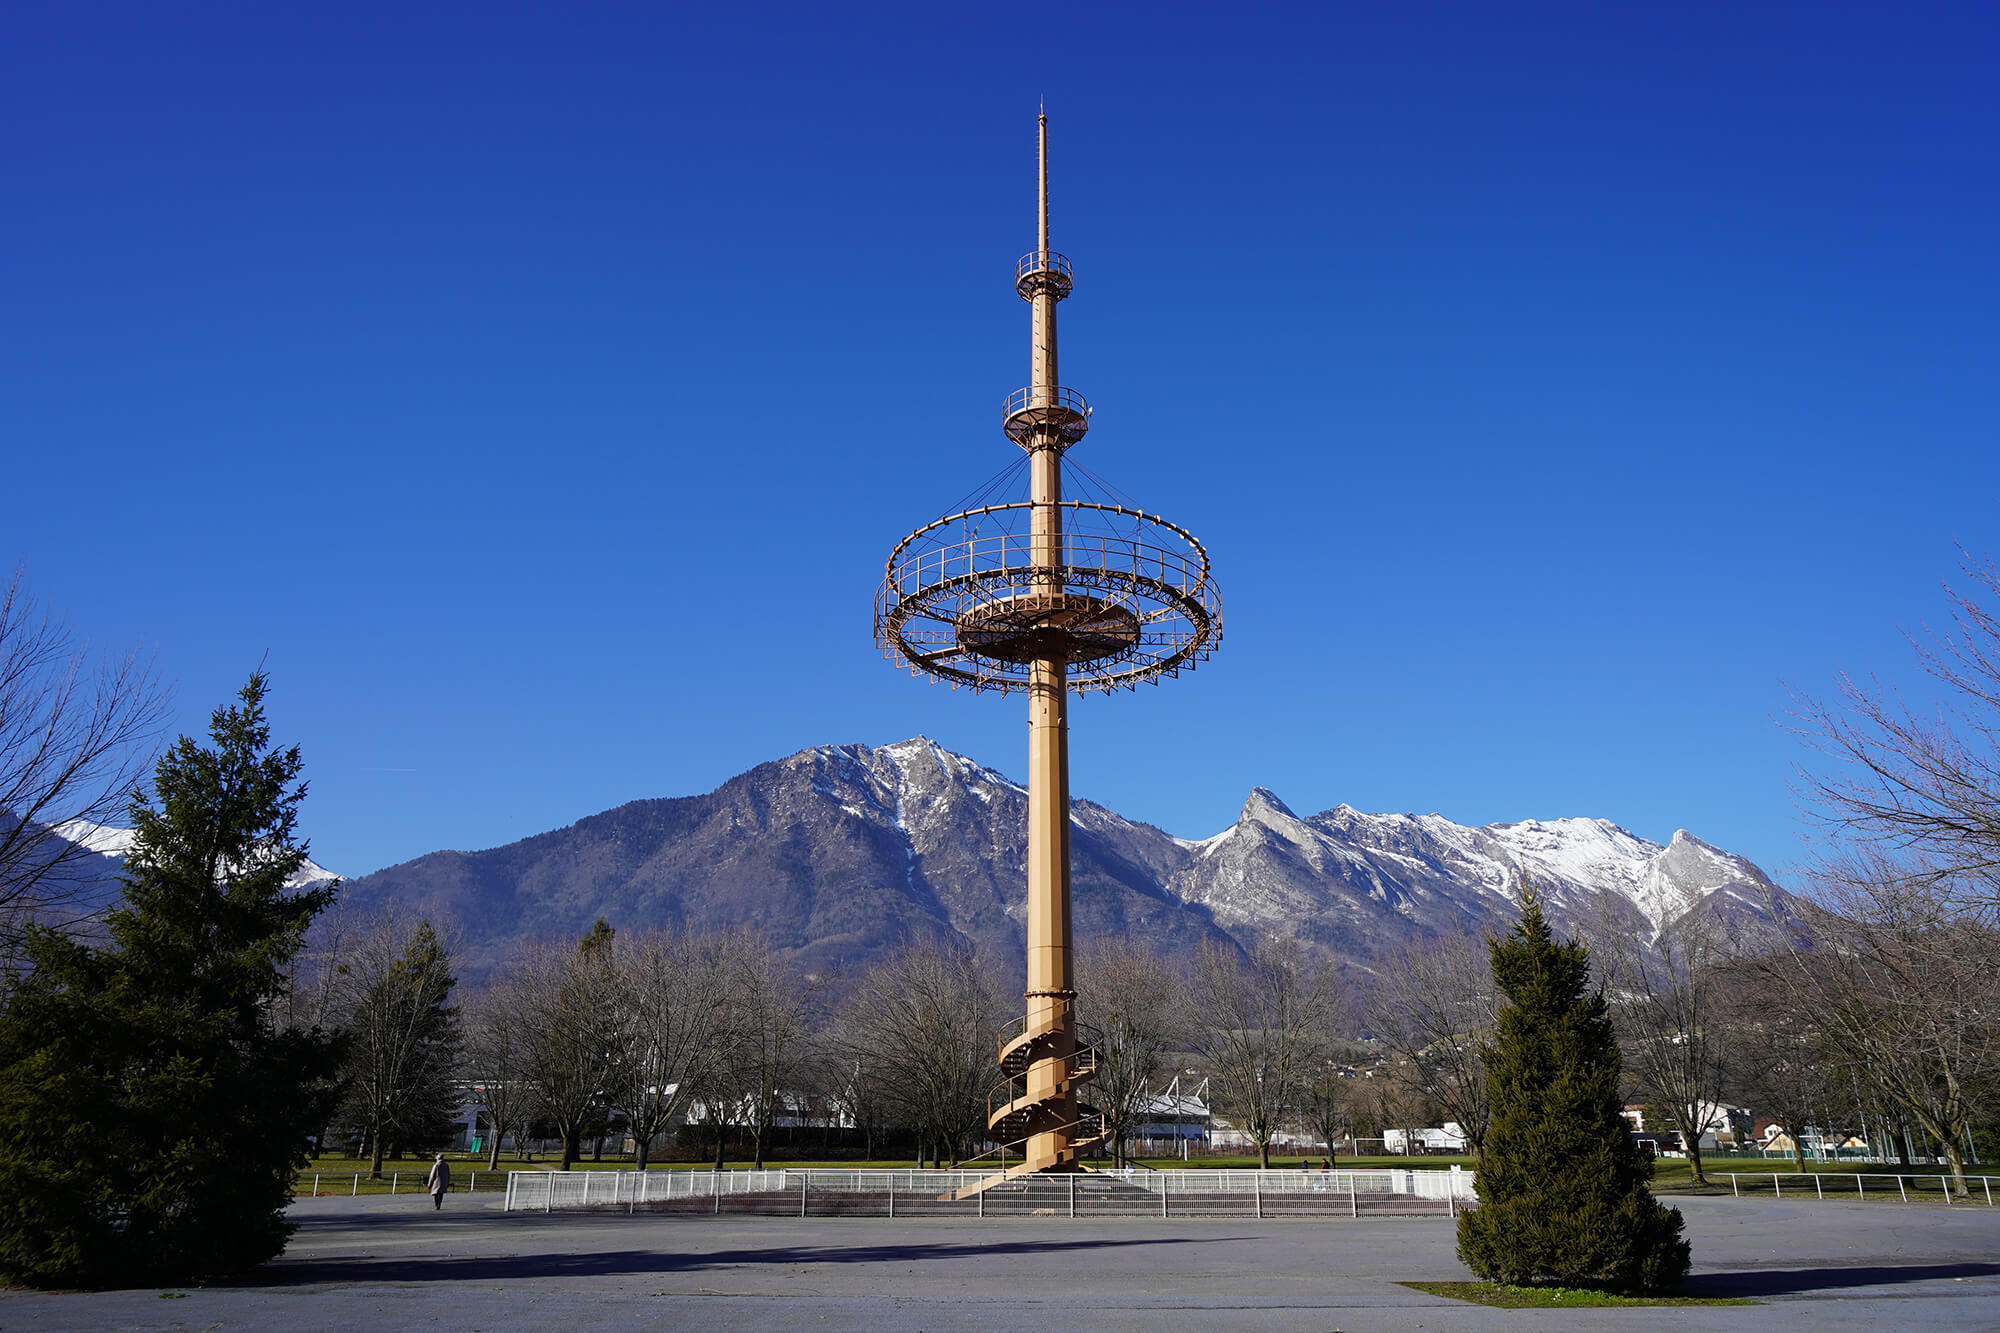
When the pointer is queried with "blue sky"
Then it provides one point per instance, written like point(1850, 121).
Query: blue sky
point(538, 389)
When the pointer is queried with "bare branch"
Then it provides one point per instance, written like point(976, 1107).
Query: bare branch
point(77, 736)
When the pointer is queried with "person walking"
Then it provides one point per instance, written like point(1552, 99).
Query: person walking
point(439, 1182)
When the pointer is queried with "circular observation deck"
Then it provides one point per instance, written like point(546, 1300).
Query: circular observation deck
point(1041, 271)
point(1045, 412)
point(1119, 596)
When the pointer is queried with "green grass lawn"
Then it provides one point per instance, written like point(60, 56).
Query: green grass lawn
point(1554, 1298)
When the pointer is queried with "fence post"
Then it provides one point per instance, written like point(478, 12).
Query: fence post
point(395, 1177)
point(805, 1182)
point(892, 1194)
point(1257, 1189)
point(1776, 1188)
point(357, 1182)
point(1734, 1188)
point(472, 1183)
point(316, 1185)
point(1901, 1190)
point(1072, 1195)
point(715, 1185)
point(1353, 1199)
point(1165, 1183)
point(1945, 1185)
point(1819, 1185)
point(982, 1203)
point(1987, 1179)
point(1860, 1190)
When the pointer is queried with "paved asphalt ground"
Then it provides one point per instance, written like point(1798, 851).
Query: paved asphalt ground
point(391, 1263)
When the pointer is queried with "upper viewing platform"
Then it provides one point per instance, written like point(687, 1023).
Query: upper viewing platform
point(1043, 270)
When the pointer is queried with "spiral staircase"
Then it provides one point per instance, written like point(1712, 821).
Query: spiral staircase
point(1038, 1096)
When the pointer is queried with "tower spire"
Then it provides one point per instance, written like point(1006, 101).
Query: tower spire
point(1042, 146)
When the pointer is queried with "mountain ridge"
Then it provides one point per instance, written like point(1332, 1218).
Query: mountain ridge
point(840, 853)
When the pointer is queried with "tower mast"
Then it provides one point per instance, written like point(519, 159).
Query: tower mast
point(1051, 994)
point(1091, 597)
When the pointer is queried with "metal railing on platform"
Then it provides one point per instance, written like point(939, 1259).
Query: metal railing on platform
point(825, 1192)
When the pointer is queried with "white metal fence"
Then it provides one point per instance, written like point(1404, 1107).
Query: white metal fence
point(1905, 1188)
point(1134, 1192)
point(314, 1184)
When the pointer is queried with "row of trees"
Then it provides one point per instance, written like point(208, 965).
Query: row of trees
point(1878, 1017)
point(638, 1029)
point(1877, 1008)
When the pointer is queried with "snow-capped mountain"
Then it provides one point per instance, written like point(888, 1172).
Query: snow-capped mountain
point(1356, 882)
point(112, 844)
point(837, 853)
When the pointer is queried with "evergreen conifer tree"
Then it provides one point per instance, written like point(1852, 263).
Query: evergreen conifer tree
point(1562, 1187)
point(152, 1112)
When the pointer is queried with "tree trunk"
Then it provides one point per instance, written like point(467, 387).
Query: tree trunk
point(640, 1142)
point(1693, 1142)
point(572, 1142)
point(375, 1152)
point(721, 1138)
point(1264, 1153)
point(1956, 1156)
point(493, 1156)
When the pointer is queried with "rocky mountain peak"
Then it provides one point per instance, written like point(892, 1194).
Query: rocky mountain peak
point(1262, 806)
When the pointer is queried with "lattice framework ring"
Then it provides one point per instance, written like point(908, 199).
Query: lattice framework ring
point(1122, 608)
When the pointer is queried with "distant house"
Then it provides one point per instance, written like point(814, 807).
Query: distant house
point(1725, 1127)
point(1773, 1137)
point(1447, 1139)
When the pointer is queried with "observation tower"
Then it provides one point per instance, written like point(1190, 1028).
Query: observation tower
point(1046, 596)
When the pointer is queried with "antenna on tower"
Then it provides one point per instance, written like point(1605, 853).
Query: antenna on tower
point(1042, 148)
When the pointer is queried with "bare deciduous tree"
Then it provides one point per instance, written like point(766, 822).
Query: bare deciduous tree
point(1778, 1057)
point(76, 739)
point(1262, 1026)
point(1327, 1103)
point(672, 1030)
point(1901, 968)
point(923, 1025)
point(1434, 1003)
point(1667, 1003)
point(498, 1047)
point(568, 1013)
point(765, 1055)
point(1923, 780)
point(1129, 995)
point(845, 1075)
